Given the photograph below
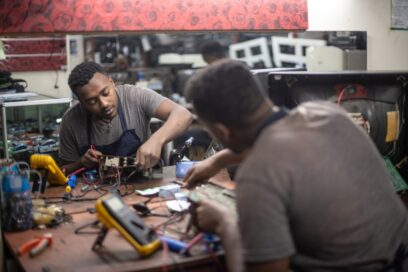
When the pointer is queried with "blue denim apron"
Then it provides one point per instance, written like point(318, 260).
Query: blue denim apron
point(126, 145)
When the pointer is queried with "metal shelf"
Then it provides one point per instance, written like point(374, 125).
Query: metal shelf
point(38, 100)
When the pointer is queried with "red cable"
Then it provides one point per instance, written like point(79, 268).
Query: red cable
point(82, 168)
point(77, 171)
point(340, 96)
point(195, 240)
point(165, 257)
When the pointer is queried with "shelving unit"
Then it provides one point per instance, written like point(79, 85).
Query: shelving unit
point(39, 101)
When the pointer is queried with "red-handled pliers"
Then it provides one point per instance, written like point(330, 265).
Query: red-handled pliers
point(36, 245)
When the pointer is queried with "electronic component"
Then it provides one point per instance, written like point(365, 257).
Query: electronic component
point(215, 193)
point(91, 175)
point(168, 191)
point(71, 183)
point(111, 165)
point(114, 213)
point(117, 162)
point(128, 168)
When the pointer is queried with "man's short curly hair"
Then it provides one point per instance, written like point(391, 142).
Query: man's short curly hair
point(225, 92)
point(82, 73)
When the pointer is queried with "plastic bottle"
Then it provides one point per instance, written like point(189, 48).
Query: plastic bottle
point(16, 201)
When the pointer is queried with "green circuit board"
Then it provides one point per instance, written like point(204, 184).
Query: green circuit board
point(398, 182)
point(218, 194)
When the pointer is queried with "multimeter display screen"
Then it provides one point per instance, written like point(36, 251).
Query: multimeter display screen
point(115, 204)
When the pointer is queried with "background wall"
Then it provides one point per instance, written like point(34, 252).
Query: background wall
point(386, 49)
point(73, 16)
point(45, 82)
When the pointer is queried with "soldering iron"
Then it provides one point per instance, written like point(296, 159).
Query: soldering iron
point(177, 155)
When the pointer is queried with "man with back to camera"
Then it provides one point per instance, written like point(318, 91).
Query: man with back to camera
point(212, 51)
point(114, 120)
point(312, 191)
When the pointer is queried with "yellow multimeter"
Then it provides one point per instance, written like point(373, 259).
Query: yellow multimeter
point(114, 213)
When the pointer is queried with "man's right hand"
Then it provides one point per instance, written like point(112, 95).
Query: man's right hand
point(207, 168)
point(201, 172)
point(91, 158)
point(213, 217)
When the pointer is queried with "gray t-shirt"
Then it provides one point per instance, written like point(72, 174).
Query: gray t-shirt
point(315, 188)
point(139, 106)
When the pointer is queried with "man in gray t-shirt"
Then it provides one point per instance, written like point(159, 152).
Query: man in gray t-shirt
point(114, 120)
point(312, 192)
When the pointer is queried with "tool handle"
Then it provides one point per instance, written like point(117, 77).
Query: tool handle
point(39, 248)
point(173, 244)
point(27, 246)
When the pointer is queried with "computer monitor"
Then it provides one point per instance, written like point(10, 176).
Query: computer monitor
point(375, 100)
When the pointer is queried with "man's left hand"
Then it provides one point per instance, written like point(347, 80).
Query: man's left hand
point(148, 154)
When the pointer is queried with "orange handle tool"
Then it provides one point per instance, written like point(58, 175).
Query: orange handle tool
point(28, 246)
point(36, 245)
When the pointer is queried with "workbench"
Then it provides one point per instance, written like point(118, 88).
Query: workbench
point(72, 252)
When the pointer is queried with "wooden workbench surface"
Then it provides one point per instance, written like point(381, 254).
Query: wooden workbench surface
point(72, 252)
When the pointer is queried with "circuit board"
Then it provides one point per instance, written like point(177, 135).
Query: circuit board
point(128, 168)
point(214, 192)
point(117, 162)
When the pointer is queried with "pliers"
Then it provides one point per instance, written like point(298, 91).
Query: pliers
point(36, 245)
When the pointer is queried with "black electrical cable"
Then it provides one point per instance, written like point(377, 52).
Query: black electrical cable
point(367, 98)
point(54, 50)
point(63, 200)
point(93, 224)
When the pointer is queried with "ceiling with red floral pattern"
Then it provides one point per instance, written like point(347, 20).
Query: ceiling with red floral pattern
point(75, 16)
